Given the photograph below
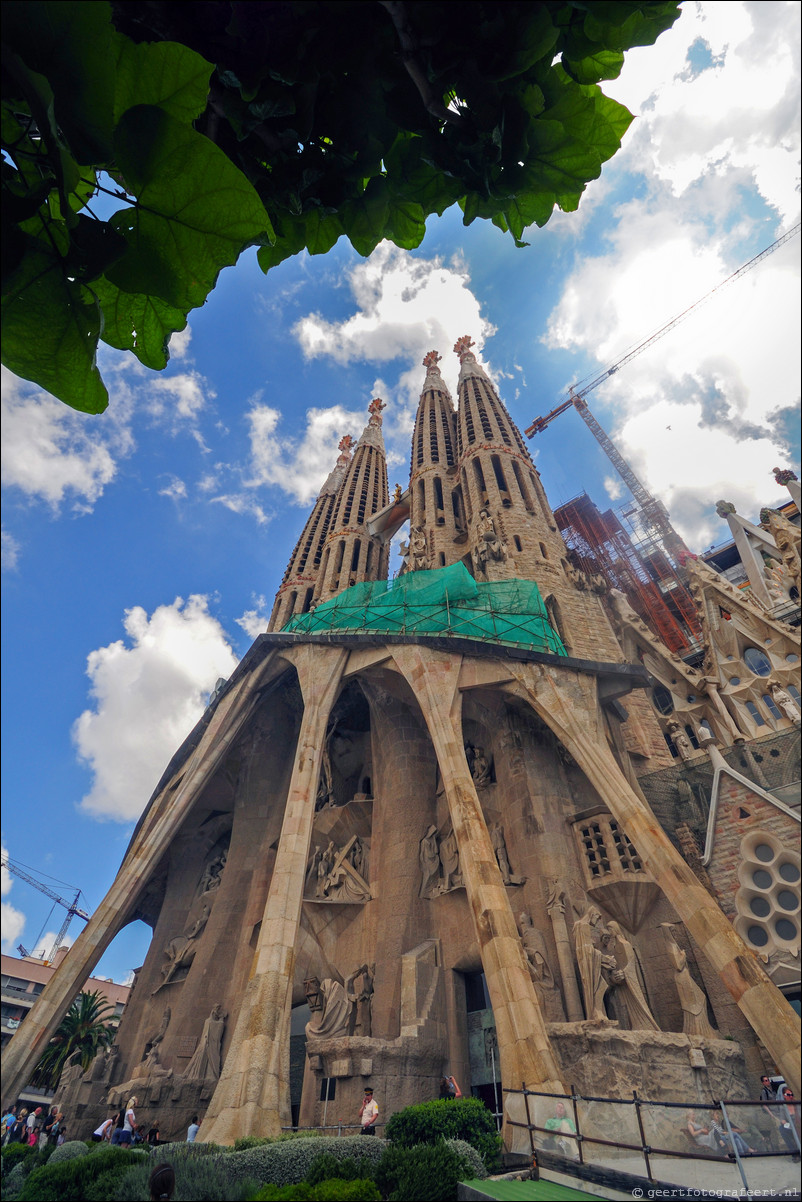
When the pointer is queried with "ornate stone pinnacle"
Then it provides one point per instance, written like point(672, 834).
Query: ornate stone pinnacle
point(684, 556)
point(345, 443)
point(723, 508)
point(375, 409)
point(463, 345)
point(765, 514)
point(431, 359)
point(783, 475)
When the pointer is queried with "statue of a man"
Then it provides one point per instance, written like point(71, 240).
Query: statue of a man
point(680, 740)
point(429, 857)
point(591, 962)
point(691, 998)
point(785, 702)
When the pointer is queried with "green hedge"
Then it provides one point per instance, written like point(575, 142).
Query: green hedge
point(427, 1172)
point(72, 1180)
point(287, 1162)
point(335, 1190)
point(462, 1118)
point(68, 1151)
point(13, 1154)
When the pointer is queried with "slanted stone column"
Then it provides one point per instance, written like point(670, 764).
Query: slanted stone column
point(253, 1094)
point(567, 701)
point(525, 1051)
point(565, 955)
point(158, 827)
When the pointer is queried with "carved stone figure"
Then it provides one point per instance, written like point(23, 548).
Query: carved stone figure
point(429, 857)
point(153, 1066)
point(489, 545)
point(397, 494)
point(156, 1039)
point(332, 1016)
point(449, 859)
point(625, 978)
point(362, 1001)
point(344, 881)
point(417, 549)
point(785, 702)
point(680, 740)
point(180, 952)
point(324, 867)
point(311, 872)
point(500, 848)
point(480, 768)
point(546, 988)
point(691, 998)
point(592, 961)
point(213, 874)
point(206, 1061)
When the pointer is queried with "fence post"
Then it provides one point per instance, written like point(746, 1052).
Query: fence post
point(579, 1151)
point(528, 1118)
point(733, 1145)
point(644, 1146)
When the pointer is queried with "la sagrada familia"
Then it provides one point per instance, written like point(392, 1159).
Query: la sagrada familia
point(412, 833)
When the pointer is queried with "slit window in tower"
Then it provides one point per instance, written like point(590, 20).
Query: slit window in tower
point(502, 425)
point(468, 417)
point(517, 541)
point(349, 504)
point(338, 561)
point(419, 446)
point(482, 411)
point(434, 449)
point(293, 597)
point(438, 501)
point(498, 472)
point(420, 516)
point(442, 559)
point(480, 480)
point(455, 505)
point(355, 555)
point(307, 601)
point(368, 558)
point(524, 491)
point(466, 496)
point(447, 440)
point(543, 550)
point(555, 619)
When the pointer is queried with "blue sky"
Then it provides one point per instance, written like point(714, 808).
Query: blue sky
point(142, 548)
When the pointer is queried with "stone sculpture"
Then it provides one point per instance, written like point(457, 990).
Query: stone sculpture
point(489, 545)
point(625, 978)
point(206, 1061)
point(429, 857)
point(785, 702)
point(180, 952)
point(331, 1011)
point(156, 1039)
point(502, 859)
point(592, 962)
point(691, 998)
point(680, 740)
point(152, 1066)
point(417, 549)
point(362, 1001)
point(546, 988)
point(339, 874)
point(480, 768)
point(449, 860)
point(213, 874)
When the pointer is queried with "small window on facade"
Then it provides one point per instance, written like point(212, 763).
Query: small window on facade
point(757, 661)
point(768, 701)
point(517, 542)
point(476, 995)
point(757, 717)
point(328, 1089)
point(662, 700)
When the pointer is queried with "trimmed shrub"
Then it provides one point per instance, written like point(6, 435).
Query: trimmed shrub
point(462, 1118)
point(427, 1173)
point(335, 1190)
point(287, 1162)
point(13, 1154)
point(197, 1179)
point(14, 1180)
point(258, 1141)
point(70, 1180)
point(68, 1151)
point(329, 1168)
point(473, 1164)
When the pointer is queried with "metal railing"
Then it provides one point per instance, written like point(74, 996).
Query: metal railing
point(730, 1148)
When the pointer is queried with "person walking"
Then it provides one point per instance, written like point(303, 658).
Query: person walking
point(368, 1113)
point(193, 1129)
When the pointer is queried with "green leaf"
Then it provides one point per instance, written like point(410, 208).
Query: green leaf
point(196, 211)
point(322, 231)
point(365, 219)
point(290, 239)
point(602, 64)
point(163, 73)
point(94, 246)
point(51, 327)
point(528, 208)
point(406, 224)
point(142, 324)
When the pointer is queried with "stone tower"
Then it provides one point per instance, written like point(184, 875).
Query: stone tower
point(388, 849)
point(298, 586)
point(352, 554)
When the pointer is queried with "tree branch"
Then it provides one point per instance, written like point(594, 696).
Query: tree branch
point(409, 57)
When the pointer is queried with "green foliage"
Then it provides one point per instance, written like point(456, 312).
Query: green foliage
point(474, 1166)
point(335, 1190)
point(197, 1179)
point(287, 1162)
point(13, 1182)
point(82, 1032)
point(329, 1168)
point(359, 120)
point(465, 1118)
point(258, 1141)
point(71, 1180)
point(425, 1172)
point(69, 1150)
point(13, 1154)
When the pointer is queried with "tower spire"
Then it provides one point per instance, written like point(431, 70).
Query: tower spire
point(352, 554)
point(435, 514)
point(297, 588)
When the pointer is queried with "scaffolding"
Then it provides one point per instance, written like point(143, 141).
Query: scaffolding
point(631, 557)
point(445, 601)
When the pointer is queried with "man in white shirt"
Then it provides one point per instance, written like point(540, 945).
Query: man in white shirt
point(193, 1129)
point(368, 1113)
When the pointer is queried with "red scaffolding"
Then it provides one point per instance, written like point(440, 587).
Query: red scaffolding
point(599, 544)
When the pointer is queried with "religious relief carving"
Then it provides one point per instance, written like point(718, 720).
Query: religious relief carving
point(429, 857)
point(361, 1000)
point(480, 765)
point(594, 962)
point(626, 979)
point(418, 557)
point(330, 1007)
point(502, 858)
point(152, 1067)
point(785, 702)
point(691, 997)
point(488, 545)
point(449, 862)
point(180, 952)
point(206, 1061)
point(339, 874)
point(680, 740)
point(325, 788)
point(546, 987)
point(159, 1035)
point(212, 875)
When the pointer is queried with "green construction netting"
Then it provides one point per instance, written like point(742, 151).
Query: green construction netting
point(445, 601)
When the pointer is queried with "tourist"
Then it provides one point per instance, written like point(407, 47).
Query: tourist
point(560, 1124)
point(725, 1143)
point(152, 1136)
point(33, 1125)
point(702, 1136)
point(193, 1129)
point(162, 1183)
point(789, 1122)
point(770, 1123)
point(104, 1131)
point(48, 1123)
point(368, 1113)
point(126, 1124)
point(62, 1134)
point(449, 1088)
point(9, 1119)
point(20, 1128)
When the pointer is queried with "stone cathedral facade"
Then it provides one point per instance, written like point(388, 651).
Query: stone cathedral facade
point(408, 835)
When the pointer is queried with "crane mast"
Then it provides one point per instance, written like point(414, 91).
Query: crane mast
point(71, 907)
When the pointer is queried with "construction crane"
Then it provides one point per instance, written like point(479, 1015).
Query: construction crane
point(653, 513)
point(72, 908)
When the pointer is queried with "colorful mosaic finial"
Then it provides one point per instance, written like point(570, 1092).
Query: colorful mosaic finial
point(375, 410)
point(724, 508)
point(463, 345)
point(431, 359)
point(783, 475)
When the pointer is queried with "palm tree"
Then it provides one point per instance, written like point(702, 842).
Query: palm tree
point(83, 1031)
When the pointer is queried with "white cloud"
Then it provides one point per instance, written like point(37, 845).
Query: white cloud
point(254, 621)
point(243, 503)
point(53, 453)
point(13, 920)
point(10, 552)
point(613, 487)
point(147, 693)
point(179, 342)
point(45, 944)
point(298, 466)
point(176, 489)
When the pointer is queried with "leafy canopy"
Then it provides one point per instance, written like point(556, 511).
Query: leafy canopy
point(83, 1031)
point(146, 144)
